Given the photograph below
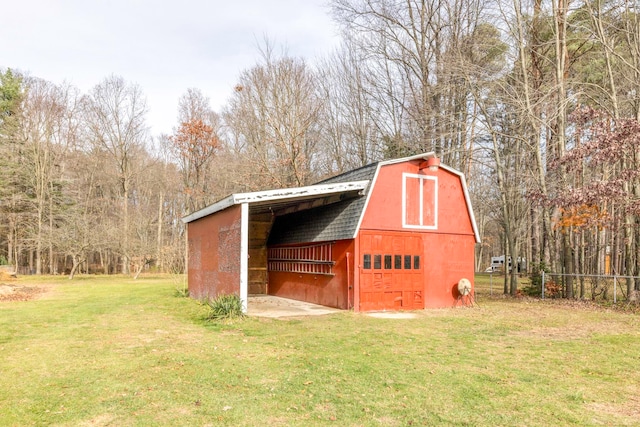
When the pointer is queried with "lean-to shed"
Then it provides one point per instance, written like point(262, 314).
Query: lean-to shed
point(397, 234)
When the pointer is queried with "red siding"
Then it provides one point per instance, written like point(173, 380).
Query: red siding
point(384, 211)
point(447, 252)
point(214, 254)
point(449, 258)
point(331, 291)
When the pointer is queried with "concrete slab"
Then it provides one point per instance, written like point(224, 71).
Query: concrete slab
point(276, 307)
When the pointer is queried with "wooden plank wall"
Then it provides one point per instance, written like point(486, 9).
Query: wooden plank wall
point(259, 228)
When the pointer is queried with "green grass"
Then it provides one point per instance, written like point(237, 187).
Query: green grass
point(114, 351)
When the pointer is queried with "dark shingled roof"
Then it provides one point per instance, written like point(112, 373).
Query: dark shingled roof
point(360, 174)
point(337, 221)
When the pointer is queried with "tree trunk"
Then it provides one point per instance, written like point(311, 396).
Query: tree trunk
point(581, 265)
point(125, 213)
point(159, 241)
point(52, 265)
point(512, 267)
point(143, 262)
point(505, 265)
point(568, 263)
point(76, 262)
point(38, 253)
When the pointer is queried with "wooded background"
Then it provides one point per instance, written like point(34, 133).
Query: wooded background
point(538, 103)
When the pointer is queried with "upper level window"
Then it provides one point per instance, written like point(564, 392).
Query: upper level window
point(419, 201)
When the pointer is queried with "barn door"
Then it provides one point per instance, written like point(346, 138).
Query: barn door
point(391, 271)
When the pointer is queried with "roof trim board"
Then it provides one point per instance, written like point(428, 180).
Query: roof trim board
point(291, 194)
point(423, 156)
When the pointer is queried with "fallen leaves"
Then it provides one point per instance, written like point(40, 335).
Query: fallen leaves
point(19, 293)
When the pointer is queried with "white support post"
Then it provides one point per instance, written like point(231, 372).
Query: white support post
point(244, 255)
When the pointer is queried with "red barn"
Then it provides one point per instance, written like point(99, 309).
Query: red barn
point(394, 235)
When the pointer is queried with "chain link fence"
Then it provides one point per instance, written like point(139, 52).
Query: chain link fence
point(589, 286)
point(612, 288)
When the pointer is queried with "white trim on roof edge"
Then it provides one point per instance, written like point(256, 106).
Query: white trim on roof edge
point(423, 156)
point(467, 199)
point(277, 195)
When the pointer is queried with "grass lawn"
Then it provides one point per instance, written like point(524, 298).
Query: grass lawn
point(113, 351)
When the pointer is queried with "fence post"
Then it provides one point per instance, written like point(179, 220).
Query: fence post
point(542, 274)
point(491, 283)
point(614, 290)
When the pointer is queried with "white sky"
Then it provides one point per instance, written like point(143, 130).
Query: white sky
point(165, 46)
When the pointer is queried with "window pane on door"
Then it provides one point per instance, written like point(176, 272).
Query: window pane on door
point(367, 261)
point(387, 262)
point(377, 262)
point(407, 262)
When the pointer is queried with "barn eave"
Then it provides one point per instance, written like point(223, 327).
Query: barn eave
point(286, 199)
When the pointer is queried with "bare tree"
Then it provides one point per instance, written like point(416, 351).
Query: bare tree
point(115, 119)
point(272, 116)
point(417, 45)
point(349, 127)
point(47, 127)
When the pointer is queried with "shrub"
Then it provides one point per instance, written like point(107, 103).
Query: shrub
point(552, 289)
point(182, 292)
point(225, 306)
point(535, 286)
point(3, 260)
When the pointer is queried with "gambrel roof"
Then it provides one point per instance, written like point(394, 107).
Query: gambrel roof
point(330, 210)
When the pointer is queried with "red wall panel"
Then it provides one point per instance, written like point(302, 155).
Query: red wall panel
point(449, 259)
point(331, 291)
point(214, 254)
point(384, 211)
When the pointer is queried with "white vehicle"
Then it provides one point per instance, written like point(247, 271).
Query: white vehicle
point(498, 264)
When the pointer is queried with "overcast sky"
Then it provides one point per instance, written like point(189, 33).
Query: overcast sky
point(165, 47)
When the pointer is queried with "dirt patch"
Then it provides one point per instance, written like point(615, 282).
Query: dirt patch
point(559, 333)
point(6, 276)
point(628, 409)
point(13, 292)
point(100, 420)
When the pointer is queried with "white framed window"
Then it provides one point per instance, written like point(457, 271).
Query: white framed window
point(419, 201)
